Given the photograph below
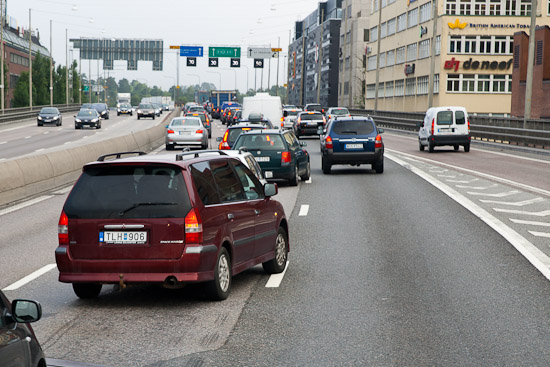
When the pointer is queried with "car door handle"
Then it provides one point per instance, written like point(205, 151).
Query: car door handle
point(230, 216)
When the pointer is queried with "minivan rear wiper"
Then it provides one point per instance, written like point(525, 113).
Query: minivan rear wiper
point(348, 132)
point(144, 204)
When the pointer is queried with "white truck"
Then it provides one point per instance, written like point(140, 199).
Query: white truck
point(270, 106)
point(123, 98)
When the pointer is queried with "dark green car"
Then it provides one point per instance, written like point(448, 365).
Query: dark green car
point(279, 153)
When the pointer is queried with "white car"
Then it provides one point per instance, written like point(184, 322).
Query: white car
point(248, 159)
point(289, 118)
point(448, 125)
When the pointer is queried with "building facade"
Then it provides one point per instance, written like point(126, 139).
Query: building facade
point(313, 57)
point(353, 53)
point(470, 45)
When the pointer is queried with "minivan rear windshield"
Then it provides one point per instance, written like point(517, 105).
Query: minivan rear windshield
point(260, 142)
point(137, 191)
point(311, 116)
point(353, 127)
point(445, 118)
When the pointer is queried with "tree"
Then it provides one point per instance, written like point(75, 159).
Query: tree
point(124, 86)
point(40, 80)
point(59, 91)
point(21, 91)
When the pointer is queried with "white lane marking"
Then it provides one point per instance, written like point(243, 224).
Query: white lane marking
point(519, 203)
point(535, 256)
point(498, 195)
point(4, 142)
point(43, 270)
point(25, 204)
point(63, 191)
point(464, 181)
point(481, 174)
point(543, 213)
point(446, 176)
point(521, 221)
point(28, 137)
point(309, 180)
point(540, 234)
point(276, 279)
point(39, 150)
point(476, 187)
point(47, 132)
point(304, 209)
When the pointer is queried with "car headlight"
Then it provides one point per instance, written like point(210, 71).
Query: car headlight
point(56, 118)
point(119, 110)
point(77, 120)
point(40, 117)
point(138, 111)
point(104, 112)
point(95, 120)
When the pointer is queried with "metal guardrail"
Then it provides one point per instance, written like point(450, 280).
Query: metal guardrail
point(506, 130)
point(23, 113)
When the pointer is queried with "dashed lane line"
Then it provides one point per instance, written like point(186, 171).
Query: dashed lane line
point(519, 203)
point(498, 195)
point(29, 278)
point(24, 205)
point(540, 234)
point(275, 280)
point(304, 209)
point(544, 213)
point(530, 222)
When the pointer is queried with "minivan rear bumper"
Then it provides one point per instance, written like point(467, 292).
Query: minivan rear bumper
point(190, 267)
point(449, 139)
point(354, 157)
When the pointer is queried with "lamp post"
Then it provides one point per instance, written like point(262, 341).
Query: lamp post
point(30, 61)
point(2, 52)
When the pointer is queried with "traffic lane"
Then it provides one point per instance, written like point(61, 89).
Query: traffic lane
point(388, 271)
point(528, 169)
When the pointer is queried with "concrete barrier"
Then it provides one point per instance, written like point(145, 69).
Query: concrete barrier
point(32, 175)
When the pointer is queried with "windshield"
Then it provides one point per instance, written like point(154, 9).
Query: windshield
point(260, 142)
point(49, 110)
point(353, 127)
point(185, 122)
point(87, 113)
point(311, 116)
point(145, 106)
point(339, 111)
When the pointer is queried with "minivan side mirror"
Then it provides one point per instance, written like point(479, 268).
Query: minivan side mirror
point(321, 131)
point(270, 189)
point(380, 131)
point(303, 144)
point(219, 139)
point(285, 113)
point(419, 124)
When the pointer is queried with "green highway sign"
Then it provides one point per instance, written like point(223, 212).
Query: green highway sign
point(234, 52)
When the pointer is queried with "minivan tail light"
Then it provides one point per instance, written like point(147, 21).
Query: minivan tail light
point(193, 227)
point(378, 141)
point(200, 131)
point(433, 126)
point(285, 157)
point(328, 142)
point(170, 131)
point(63, 229)
point(468, 125)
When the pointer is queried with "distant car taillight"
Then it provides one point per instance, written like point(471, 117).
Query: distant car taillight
point(378, 141)
point(170, 131)
point(468, 125)
point(200, 131)
point(63, 229)
point(285, 157)
point(193, 228)
point(433, 126)
point(224, 145)
point(328, 142)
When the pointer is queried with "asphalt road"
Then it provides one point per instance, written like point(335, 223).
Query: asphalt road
point(397, 269)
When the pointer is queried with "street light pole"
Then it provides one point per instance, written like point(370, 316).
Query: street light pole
point(30, 61)
point(2, 52)
point(51, 65)
point(67, 66)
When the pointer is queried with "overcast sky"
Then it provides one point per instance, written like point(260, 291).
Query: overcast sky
point(178, 22)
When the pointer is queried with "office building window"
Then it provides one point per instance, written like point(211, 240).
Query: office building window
point(436, 83)
point(468, 83)
point(371, 63)
point(470, 44)
point(383, 28)
point(374, 34)
point(423, 49)
point(402, 22)
point(391, 26)
point(346, 88)
point(411, 51)
point(455, 44)
point(453, 83)
point(483, 83)
point(400, 55)
point(389, 89)
point(382, 60)
point(18, 59)
point(485, 45)
point(479, 83)
point(437, 45)
point(375, 5)
point(422, 85)
point(347, 63)
point(413, 17)
point(450, 7)
point(410, 87)
point(480, 7)
point(371, 91)
point(390, 58)
point(425, 12)
point(465, 7)
point(399, 88)
point(499, 83)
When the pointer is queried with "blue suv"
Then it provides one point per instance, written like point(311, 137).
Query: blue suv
point(353, 140)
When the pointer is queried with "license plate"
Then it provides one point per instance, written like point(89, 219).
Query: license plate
point(312, 123)
point(126, 237)
point(354, 146)
point(185, 132)
point(262, 159)
point(444, 131)
point(268, 174)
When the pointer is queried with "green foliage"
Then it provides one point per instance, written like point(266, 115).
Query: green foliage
point(21, 92)
point(124, 86)
point(40, 80)
point(59, 89)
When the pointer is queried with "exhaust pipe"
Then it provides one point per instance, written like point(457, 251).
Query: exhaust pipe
point(171, 282)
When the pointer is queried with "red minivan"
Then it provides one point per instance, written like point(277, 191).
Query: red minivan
point(168, 219)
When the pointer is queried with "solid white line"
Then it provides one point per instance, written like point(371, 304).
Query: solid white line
point(535, 256)
point(476, 187)
point(543, 213)
point(63, 191)
point(463, 181)
point(4, 142)
point(519, 203)
point(499, 195)
point(39, 150)
point(30, 277)
point(304, 209)
point(276, 279)
point(540, 234)
point(520, 221)
point(308, 181)
point(28, 137)
point(24, 205)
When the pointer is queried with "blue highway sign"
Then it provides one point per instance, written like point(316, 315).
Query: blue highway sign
point(191, 51)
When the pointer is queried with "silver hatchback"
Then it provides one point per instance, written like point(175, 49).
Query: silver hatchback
point(187, 131)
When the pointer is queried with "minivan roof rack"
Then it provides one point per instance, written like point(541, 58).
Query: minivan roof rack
point(117, 155)
point(179, 157)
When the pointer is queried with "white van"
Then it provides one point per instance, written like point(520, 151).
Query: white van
point(270, 106)
point(449, 125)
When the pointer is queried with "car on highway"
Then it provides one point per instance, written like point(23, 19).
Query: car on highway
point(102, 109)
point(230, 118)
point(308, 123)
point(49, 115)
point(89, 117)
point(86, 106)
point(314, 107)
point(336, 112)
point(125, 109)
point(238, 117)
point(193, 217)
point(196, 109)
point(18, 343)
point(157, 108)
point(249, 161)
point(280, 154)
point(204, 119)
point(186, 131)
point(446, 125)
point(146, 110)
point(289, 117)
point(165, 107)
point(232, 133)
point(351, 140)
point(258, 118)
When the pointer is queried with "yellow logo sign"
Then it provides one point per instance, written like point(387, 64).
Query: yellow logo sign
point(457, 25)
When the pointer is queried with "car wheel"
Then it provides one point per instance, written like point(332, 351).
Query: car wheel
point(466, 148)
point(420, 146)
point(430, 147)
point(308, 173)
point(76, 127)
point(86, 290)
point(379, 166)
point(118, 114)
point(39, 124)
point(294, 179)
point(456, 146)
point(138, 117)
point(278, 263)
point(153, 117)
point(325, 165)
point(98, 126)
point(220, 287)
point(169, 147)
